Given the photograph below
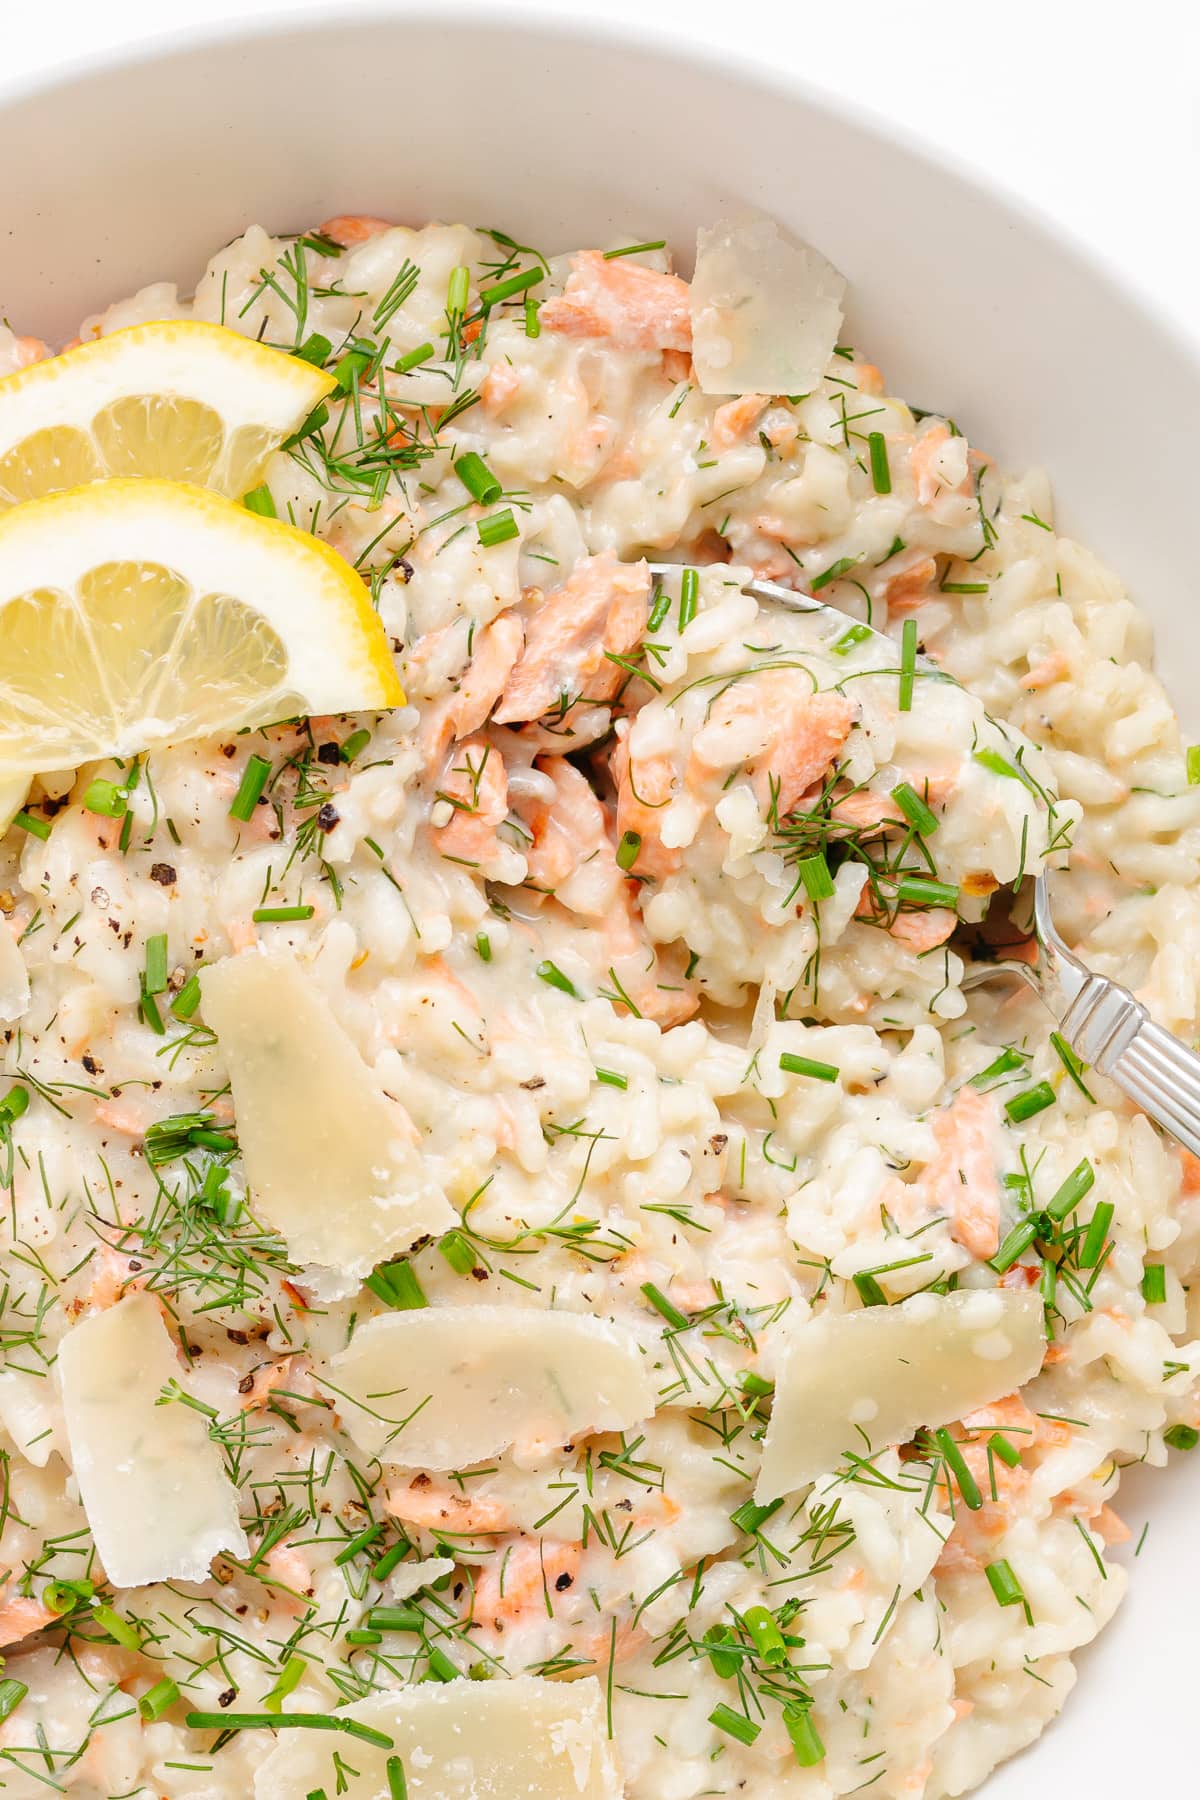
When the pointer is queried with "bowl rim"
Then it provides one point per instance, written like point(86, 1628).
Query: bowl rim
point(650, 36)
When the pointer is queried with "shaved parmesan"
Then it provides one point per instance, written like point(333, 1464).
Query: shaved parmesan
point(449, 1385)
point(408, 1578)
point(325, 1151)
point(874, 1377)
point(153, 1485)
point(525, 1739)
point(766, 310)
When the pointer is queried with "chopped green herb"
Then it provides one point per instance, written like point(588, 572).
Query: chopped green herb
point(612, 1078)
point(737, 1725)
point(628, 848)
point(675, 1319)
point(12, 1693)
point(1014, 1245)
point(881, 474)
point(457, 1252)
point(1002, 1447)
point(1067, 1197)
point(254, 780)
point(1096, 1235)
point(1154, 1284)
point(395, 1618)
point(805, 1738)
point(458, 290)
point(1000, 765)
point(857, 634)
point(478, 479)
point(953, 1458)
point(689, 596)
point(316, 349)
point(791, 1064)
point(915, 890)
point(354, 745)
point(1004, 1584)
point(1181, 1437)
point(497, 528)
point(1073, 1064)
point(120, 1630)
point(104, 798)
point(352, 1546)
point(833, 573)
point(908, 664)
point(154, 981)
point(764, 1630)
point(635, 249)
point(260, 500)
point(396, 1284)
point(1007, 1063)
point(187, 999)
point(1034, 1100)
point(553, 976)
point(412, 359)
point(750, 1518)
point(27, 821)
point(14, 1103)
point(250, 1721)
point(512, 284)
point(814, 873)
point(869, 1290)
point(155, 1701)
point(1193, 764)
point(397, 1785)
point(533, 325)
point(725, 1663)
point(483, 946)
point(914, 809)
point(281, 915)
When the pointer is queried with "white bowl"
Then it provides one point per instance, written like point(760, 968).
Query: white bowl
point(138, 167)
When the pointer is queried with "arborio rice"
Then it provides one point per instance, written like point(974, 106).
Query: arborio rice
point(648, 914)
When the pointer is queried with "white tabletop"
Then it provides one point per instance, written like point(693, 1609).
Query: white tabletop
point(1087, 109)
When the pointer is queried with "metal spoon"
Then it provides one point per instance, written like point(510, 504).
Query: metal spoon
point(1103, 1023)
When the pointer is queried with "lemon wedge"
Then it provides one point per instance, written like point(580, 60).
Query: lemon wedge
point(135, 613)
point(178, 399)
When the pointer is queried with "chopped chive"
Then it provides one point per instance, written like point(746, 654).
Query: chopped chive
point(611, 1078)
point(1193, 764)
point(857, 634)
point(660, 606)
point(635, 249)
point(317, 417)
point(149, 1013)
point(553, 976)
point(908, 664)
point(675, 1319)
point(917, 891)
point(440, 1666)
point(14, 1103)
point(478, 479)
point(397, 1785)
point(1067, 1197)
point(354, 745)
point(119, 1630)
point(533, 325)
point(388, 1561)
point(154, 981)
point(1000, 765)
point(105, 798)
point(1154, 1284)
point(881, 474)
point(281, 915)
point(483, 946)
point(953, 1458)
point(512, 284)
point(412, 359)
point(1002, 1447)
point(1096, 1235)
point(1034, 1100)
point(458, 289)
point(12, 1693)
point(869, 1290)
point(689, 597)
point(260, 500)
point(352, 1546)
point(350, 368)
point(1004, 1584)
point(394, 1618)
point(768, 1639)
point(497, 528)
point(725, 1663)
point(1007, 1063)
point(832, 573)
point(362, 1635)
point(791, 1064)
point(814, 873)
point(254, 780)
point(963, 587)
point(250, 1721)
point(1049, 1283)
point(805, 1738)
point(735, 1724)
point(315, 349)
point(1181, 1437)
point(396, 1284)
point(457, 1252)
point(752, 1383)
point(628, 848)
point(27, 821)
point(155, 1701)
point(62, 1596)
point(290, 1676)
point(187, 999)
point(1073, 1064)
point(914, 809)
point(751, 1518)
point(1014, 1245)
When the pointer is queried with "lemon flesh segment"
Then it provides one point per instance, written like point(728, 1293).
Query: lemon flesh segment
point(176, 399)
point(142, 612)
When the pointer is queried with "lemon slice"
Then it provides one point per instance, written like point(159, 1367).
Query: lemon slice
point(135, 613)
point(178, 399)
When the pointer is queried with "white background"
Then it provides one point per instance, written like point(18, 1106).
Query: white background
point(1088, 109)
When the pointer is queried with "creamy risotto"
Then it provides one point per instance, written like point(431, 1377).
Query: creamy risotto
point(525, 1272)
